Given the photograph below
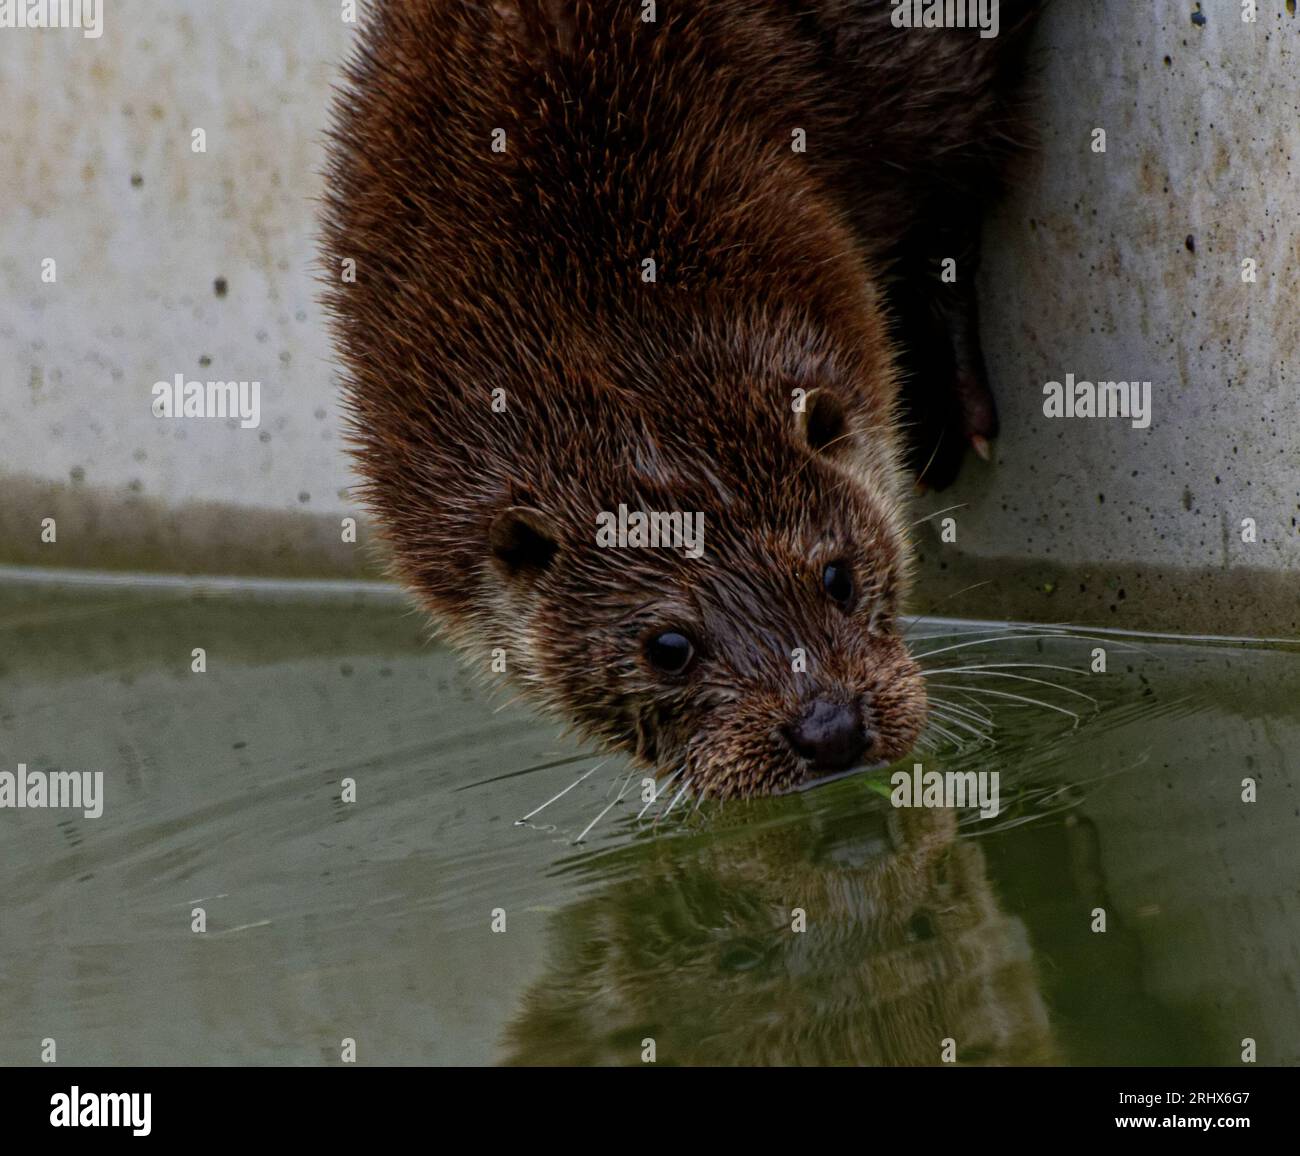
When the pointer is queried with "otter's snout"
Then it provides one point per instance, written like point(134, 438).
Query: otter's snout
point(830, 735)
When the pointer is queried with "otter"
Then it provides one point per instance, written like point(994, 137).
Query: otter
point(678, 259)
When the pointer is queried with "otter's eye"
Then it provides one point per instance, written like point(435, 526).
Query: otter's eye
point(837, 581)
point(669, 652)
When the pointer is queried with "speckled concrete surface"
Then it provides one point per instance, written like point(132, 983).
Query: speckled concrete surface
point(168, 261)
point(1127, 266)
point(1124, 265)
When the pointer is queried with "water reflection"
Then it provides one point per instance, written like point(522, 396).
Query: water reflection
point(907, 957)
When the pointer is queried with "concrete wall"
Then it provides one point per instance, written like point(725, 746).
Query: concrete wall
point(1127, 265)
point(201, 264)
point(169, 262)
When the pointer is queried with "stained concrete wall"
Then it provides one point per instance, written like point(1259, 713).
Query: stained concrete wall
point(169, 261)
point(1120, 265)
point(1128, 265)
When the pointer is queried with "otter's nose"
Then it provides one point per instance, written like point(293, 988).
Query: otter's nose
point(829, 734)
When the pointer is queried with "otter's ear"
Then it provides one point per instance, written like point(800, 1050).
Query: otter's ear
point(523, 540)
point(824, 422)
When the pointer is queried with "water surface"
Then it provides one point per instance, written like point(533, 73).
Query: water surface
point(372, 920)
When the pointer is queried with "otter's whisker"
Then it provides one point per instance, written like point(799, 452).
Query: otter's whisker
point(614, 803)
point(956, 722)
point(1016, 637)
point(614, 780)
point(538, 810)
point(918, 619)
point(1015, 697)
point(920, 477)
point(979, 708)
point(609, 807)
point(660, 790)
point(699, 799)
point(1001, 635)
point(1004, 666)
point(999, 628)
point(978, 732)
point(685, 787)
point(952, 738)
point(980, 642)
point(945, 510)
point(977, 716)
point(987, 672)
point(973, 723)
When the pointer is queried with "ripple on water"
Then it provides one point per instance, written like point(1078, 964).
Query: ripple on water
point(373, 918)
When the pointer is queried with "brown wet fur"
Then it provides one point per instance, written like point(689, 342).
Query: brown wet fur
point(521, 272)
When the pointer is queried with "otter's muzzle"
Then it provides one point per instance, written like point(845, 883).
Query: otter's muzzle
point(830, 735)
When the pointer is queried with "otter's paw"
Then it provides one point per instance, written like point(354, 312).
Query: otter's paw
point(948, 407)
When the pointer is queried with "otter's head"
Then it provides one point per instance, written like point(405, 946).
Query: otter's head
point(759, 654)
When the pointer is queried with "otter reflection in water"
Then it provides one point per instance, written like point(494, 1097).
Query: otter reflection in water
point(905, 948)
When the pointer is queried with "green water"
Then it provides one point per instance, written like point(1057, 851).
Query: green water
point(372, 920)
